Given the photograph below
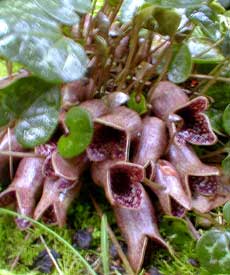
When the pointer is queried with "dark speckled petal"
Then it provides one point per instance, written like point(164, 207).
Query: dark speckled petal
point(113, 134)
point(124, 184)
point(195, 127)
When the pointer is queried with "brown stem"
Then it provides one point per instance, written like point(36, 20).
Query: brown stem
point(115, 12)
point(192, 229)
point(210, 77)
point(168, 56)
point(133, 47)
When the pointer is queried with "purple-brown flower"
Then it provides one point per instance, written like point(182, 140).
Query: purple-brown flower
point(55, 201)
point(188, 119)
point(173, 197)
point(152, 144)
point(113, 134)
point(25, 188)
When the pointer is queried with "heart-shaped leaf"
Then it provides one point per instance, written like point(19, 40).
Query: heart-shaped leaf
point(226, 120)
point(58, 11)
point(202, 51)
point(215, 117)
point(213, 251)
point(30, 36)
point(80, 126)
point(181, 64)
point(137, 103)
point(207, 19)
point(129, 8)
point(65, 10)
point(226, 212)
point(220, 93)
point(177, 3)
point(168, 20)
point(34, 104)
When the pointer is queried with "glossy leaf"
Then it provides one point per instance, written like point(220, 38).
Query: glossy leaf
point(181, 64)
point(34, 104)
point(80, 125)
point(226, 120)
point(220, 94)
point(207, 19)
point(226, 165)
point(202, 51)
point(129, 8)
point(65, 10)
point(213, 251)
point(226, 212)
point(225, 3)
point(215, 117)
point(36, 41)
point(168, 21)
point(60, 12)
point(226, 45)
point(38, 123)
point(177, 3)
point(137, 103)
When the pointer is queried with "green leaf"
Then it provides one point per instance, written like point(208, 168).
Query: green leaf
point(137, 104)
point(34, 104)
point(129, 8)
point(168, 21)
point(80, 126)
point(181, 64)
point(215, 117)
point(220, 93)
point(28, 35)
point(213, 251)
point(226, 212)
point(65, 10)
point(226, 120)
point(60, 12)
point(226, 165)
point(177, 3)
point(38, 123)
point(216, 7)
point(104, 245)
point(207, 19)
point(226, 45)
point(225, 3)
point(113, 2)
point(202, 51)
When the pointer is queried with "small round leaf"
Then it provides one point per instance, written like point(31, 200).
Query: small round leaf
point(226, 212)
point(137, 104)
point(213, 251)
point(80, 127)
point(181, 64)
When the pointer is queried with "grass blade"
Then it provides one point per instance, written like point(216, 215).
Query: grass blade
point(54, 234)
point(104, 245)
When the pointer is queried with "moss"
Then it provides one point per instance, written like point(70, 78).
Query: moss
point(81, 216)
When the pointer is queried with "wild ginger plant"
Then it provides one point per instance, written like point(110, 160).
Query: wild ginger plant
point(134, 93)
